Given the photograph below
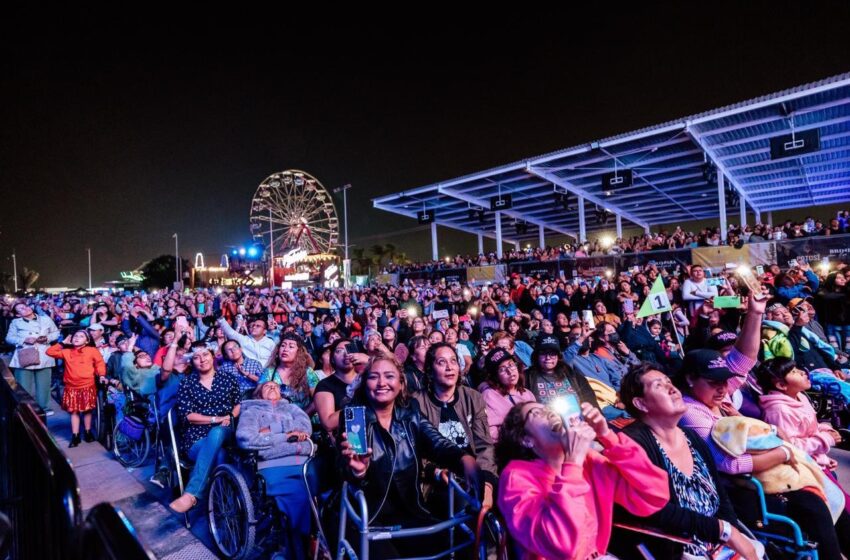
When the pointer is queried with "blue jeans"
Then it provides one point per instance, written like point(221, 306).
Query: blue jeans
point(36, 382)
point(840, 333)
point(287, 486)
point(206, 453)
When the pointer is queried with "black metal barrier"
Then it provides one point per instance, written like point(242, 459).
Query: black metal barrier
point(107, 534)
point(40, 495)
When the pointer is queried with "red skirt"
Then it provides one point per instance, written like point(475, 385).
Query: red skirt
point(79, 400)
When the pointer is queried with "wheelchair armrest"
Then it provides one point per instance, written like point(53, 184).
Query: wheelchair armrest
point(652, 533)
point(745, 481)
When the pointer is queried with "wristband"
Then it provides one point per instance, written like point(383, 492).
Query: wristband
point(213, 420)
point(725, 531)
point(787, 453)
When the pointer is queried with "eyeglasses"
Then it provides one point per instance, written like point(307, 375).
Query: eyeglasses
point(537, 412)
point(508, 367)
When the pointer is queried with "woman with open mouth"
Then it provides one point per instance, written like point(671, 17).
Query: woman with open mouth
point(557, 494)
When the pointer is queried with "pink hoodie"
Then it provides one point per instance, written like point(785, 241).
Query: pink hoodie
point(568, 515)
point(498, 405)
point(797, 418)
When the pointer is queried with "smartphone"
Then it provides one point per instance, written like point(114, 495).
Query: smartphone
point(351, 348)
point(355, 428)
point(793, 263)
point(270, 318)
point(573, 316)
point(181, 321)
point(759, 269)
point(202, 308)
point(628, 306)
point(587, 317)
point(567, 406)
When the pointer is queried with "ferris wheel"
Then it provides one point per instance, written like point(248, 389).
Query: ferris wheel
point(292, 210)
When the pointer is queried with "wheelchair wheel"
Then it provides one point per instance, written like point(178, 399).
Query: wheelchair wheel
point(97, 417)
point(231, 513)
point(129, 452)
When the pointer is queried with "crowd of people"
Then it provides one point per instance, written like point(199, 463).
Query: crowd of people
point(555, 401)
point(664, 240)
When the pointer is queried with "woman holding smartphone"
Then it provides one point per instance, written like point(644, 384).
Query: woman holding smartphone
point(397, 436)
point(557, 494)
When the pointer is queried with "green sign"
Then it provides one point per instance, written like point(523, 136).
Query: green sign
point(132, 276)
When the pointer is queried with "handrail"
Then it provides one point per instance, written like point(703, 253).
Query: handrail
point(39, 489)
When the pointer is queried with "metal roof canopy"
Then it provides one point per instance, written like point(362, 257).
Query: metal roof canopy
point(675, 168)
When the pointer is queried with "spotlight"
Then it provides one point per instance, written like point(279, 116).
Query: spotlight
point(242, 251)
point(252, 252)
point(234, 252)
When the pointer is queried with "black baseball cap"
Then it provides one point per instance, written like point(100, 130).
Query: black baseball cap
point(547, 343)
point(722, 339)
point(708, 364)
point(495, 358)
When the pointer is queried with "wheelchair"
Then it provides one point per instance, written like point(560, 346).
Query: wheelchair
point(354, 509)
point(244, 521)
point(138, 432)
point(103, 417)
point(780, 535)
point(830, 407)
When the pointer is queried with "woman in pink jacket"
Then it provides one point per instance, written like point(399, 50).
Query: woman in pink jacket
point(503, 388)
point(557, 494)
point(786, 405)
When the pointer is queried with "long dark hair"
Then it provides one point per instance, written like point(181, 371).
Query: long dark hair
point(509, 446)
point(773, 371)
point(412, 344)
point(430, 356)
point(561, 368)
point(493, 378)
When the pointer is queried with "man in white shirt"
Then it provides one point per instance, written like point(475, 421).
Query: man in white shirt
point(257, 346)
point(696, 290)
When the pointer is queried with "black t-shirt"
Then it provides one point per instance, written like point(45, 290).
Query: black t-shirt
point(450, 426)
point(336, 387)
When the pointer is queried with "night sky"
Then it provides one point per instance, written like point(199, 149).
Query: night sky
point(117, 133)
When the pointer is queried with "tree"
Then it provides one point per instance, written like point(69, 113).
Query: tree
point(160, 273)
point(360, 261)
point(378, 253)
point(27, 279)
point(6, 282)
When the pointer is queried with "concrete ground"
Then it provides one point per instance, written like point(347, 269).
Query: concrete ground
point(103, 479)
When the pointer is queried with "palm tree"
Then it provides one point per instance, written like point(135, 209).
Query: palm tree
point(378, 254)
point(28, 278)
point(360, 261)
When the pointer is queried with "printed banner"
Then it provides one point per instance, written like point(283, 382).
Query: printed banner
point(752, 254)
point(493, 274)
point(668, 260)
point(386, 279)
point(550, 269)
point(810, 249)
point(434, 276)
